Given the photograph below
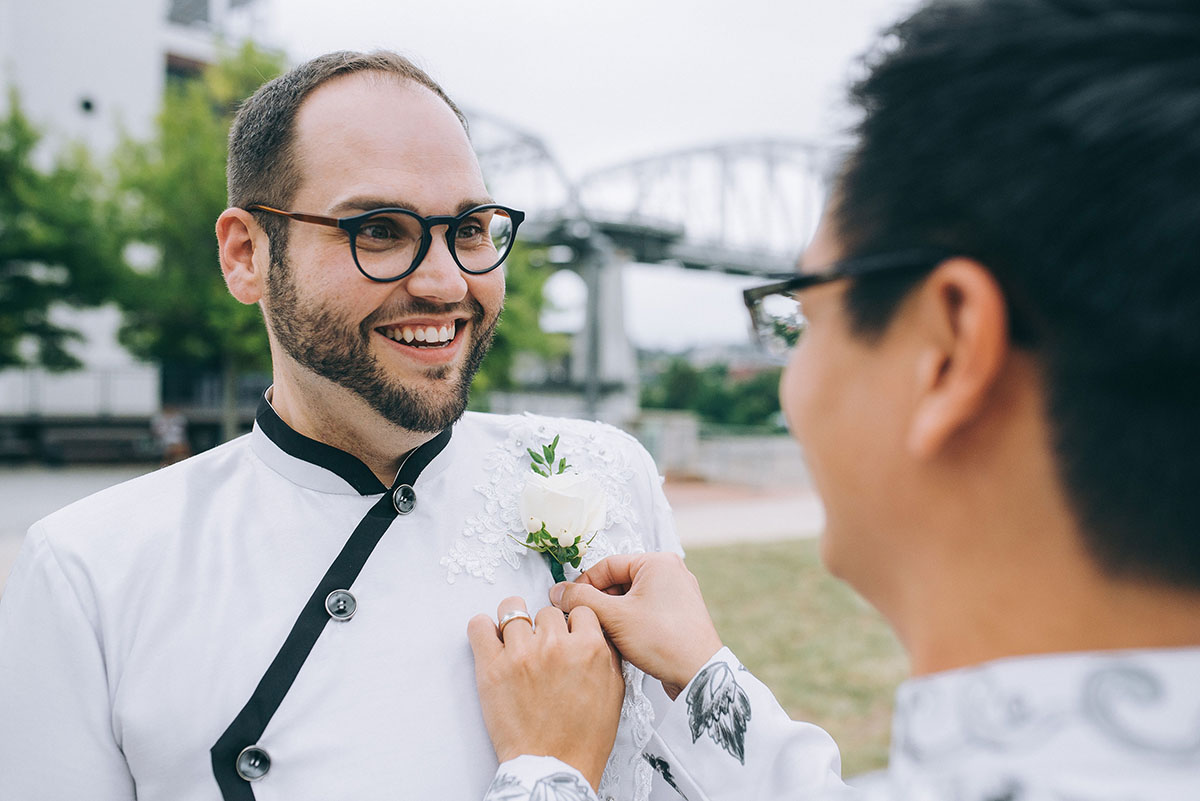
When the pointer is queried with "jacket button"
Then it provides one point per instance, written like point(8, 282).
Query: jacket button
point(253, 763)
point(340, 605)
point(404, 499)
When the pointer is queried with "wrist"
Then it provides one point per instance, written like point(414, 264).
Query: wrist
point(675, 684)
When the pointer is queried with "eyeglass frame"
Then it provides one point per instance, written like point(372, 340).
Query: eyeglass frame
point(863, 266)
point(353, 224)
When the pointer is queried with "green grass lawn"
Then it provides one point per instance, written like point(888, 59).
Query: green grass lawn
point(828, 656)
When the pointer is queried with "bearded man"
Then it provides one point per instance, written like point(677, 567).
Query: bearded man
point(279, 618)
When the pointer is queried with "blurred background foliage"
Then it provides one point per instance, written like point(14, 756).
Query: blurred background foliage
point(59, 243)
point(715, 395)
point(177, 310)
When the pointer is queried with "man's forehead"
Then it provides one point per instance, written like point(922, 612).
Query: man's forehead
point(374, 134)
point(359, 101)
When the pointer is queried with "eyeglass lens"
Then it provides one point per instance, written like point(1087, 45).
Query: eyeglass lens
point(779, 321)
point(387, 244)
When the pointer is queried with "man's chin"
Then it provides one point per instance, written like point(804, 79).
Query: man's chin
point(426, 409)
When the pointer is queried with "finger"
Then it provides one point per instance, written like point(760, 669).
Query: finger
point(583, 620)
point(484, 638)
point(613, 571)
point(569, 597)
point(516, 630)
point(550, 621)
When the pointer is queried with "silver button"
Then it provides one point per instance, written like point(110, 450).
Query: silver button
point(340, 605)
point(404, 499)
point(253, 763)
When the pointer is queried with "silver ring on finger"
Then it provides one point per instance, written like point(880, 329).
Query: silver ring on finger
point(509, 617)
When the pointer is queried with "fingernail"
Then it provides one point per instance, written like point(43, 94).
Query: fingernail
point(556, 592)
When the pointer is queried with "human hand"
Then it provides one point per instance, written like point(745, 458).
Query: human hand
point(551, 690)
point(651, 608)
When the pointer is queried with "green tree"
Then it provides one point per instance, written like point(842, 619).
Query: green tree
point(755, 400)
point(58, 244)
point(519, 329)
point(714, 395)
point(177, 310)
point(674, 388)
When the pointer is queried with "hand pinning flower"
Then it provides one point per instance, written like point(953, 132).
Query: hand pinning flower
point(563, 511)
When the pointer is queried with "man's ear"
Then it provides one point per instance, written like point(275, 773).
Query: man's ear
point(245, 254)
point(962, 319)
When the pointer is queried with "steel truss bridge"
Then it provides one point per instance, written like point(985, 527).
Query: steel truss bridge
point(743, 207)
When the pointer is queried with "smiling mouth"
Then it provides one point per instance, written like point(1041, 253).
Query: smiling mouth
point(422, 336)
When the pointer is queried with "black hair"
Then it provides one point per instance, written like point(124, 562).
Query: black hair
point(1057, 142)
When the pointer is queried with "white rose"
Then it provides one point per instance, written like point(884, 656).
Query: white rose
point(570, 505)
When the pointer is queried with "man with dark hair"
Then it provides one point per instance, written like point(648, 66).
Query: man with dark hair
point(280, 617)
point(994, 381)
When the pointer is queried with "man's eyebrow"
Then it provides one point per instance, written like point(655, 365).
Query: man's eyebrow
point(366, 203)
point(470, 204)
point(352, 205)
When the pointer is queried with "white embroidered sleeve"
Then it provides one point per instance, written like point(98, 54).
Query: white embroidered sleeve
point(56, 736)
point(726, 738)
point(538, 777)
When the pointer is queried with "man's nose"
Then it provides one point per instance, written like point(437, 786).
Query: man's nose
point(438, 276)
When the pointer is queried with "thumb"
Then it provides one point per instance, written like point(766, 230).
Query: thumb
point(567, 595)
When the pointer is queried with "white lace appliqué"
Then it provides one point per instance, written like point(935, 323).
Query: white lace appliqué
point(594, 448)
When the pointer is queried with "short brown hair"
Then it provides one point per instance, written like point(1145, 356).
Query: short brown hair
point(261, 166)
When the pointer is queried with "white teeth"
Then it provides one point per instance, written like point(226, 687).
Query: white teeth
point(429, 334)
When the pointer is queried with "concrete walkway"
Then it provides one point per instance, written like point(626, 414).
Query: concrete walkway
point(719, 514)
point(705, 513)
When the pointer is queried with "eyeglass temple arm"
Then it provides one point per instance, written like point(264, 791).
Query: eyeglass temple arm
point(333, 222)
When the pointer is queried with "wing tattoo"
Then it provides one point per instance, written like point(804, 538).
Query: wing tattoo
point(719, 707)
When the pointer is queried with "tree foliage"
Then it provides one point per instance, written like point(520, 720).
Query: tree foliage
point(714, 395)
point(177, 309)
point(519, 330)
point(58, 244)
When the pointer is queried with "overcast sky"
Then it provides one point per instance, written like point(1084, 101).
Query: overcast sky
point(605, 82)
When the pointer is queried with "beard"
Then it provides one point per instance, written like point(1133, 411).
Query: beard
point(323, 342)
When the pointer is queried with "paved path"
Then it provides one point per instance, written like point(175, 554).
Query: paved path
point(718, 514)
point(27, 494)
point(705, 514)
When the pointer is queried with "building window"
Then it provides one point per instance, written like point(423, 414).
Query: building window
point(189, 12)
point(181, 69)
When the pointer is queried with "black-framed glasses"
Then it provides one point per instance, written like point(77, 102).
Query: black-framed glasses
point(775, 314)
point(388, 244)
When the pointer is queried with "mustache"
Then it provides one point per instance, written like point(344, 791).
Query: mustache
point(470, 308)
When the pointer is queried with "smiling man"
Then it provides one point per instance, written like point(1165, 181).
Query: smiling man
point(279, 618)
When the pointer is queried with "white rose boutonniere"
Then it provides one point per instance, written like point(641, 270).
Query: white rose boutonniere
point(562, 510)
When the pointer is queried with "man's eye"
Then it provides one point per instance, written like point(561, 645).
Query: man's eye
point(378, 230)
point(470, 230)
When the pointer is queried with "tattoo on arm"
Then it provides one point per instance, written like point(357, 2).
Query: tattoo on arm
point(718, 707)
